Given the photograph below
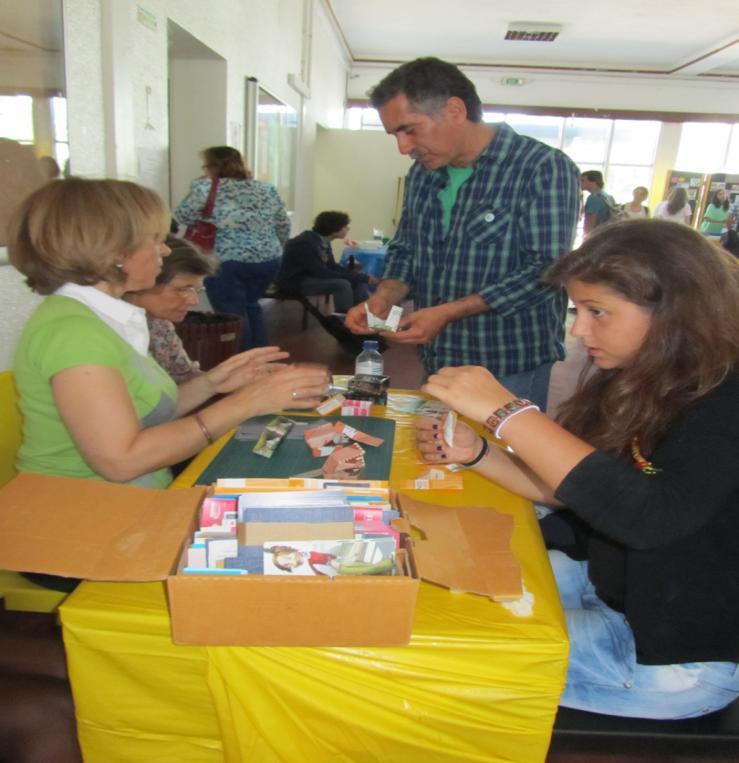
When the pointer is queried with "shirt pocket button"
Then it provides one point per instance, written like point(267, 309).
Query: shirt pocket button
point(489, 217)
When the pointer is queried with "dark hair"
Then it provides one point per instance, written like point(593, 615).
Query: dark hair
point(328, 223)
point(691, 289)
point(717, 202)
point(226, 162)
point(428, 83)
point(594, 176)
point(185, 258)
point(677, 200)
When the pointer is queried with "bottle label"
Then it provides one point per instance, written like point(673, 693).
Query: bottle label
point(369, 367)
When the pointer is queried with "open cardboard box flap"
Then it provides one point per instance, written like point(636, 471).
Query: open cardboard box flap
point(464, 548)
point(93, 530)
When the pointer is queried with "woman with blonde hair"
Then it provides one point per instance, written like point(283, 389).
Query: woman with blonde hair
point(644, 455)
point(252, 226)
point(95, 404)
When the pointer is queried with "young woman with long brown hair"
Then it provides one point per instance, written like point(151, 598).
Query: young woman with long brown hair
point(644, 454)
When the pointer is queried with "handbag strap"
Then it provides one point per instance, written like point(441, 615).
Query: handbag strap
point(210, 202)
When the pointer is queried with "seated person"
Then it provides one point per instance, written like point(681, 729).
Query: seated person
point(644, 454)
point(308, 266)
point(95, 404)
point(176, 289)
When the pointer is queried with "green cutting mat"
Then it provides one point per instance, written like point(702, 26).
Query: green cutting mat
point(293, 456)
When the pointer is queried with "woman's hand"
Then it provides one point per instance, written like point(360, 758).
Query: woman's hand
point(433, 449)
point(471, 390)
point(244, 368)
point(297, 386)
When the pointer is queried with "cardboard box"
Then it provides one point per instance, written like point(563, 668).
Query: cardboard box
point(107, 532)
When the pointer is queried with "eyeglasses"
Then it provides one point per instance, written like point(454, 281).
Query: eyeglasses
point(188, 290)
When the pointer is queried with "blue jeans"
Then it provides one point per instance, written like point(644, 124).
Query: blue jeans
point(532, 385)
point(603, 675)
point(345, 293)
point(237, 289)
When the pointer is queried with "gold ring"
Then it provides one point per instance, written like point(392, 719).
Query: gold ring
point(295, 394)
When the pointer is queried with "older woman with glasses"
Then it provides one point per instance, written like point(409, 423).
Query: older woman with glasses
point(177, 289)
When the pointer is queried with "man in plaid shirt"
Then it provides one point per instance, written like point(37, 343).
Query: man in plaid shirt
point(485, 212)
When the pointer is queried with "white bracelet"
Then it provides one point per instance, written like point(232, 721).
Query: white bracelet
point(500, 426)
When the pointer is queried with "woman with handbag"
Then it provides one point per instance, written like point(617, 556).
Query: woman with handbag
point(251, 226)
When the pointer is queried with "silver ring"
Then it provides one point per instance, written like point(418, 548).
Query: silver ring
point(295, 394)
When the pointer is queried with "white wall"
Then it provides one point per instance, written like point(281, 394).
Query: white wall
point(357, 172)
point(198, 97)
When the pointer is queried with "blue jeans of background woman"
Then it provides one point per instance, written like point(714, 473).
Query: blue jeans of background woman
point(237, 289)
point(603, 675)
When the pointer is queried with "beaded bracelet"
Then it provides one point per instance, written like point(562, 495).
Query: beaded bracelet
point(206, 432)
point(501, 416)
point(476, 460)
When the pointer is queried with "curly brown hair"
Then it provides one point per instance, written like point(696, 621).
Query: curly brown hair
point(691, 289)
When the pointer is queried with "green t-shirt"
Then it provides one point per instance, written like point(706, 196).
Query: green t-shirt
point(715, 213)
point(63, 333)
point(448, 195)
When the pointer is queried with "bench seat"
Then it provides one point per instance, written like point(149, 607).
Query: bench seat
point(713, 735)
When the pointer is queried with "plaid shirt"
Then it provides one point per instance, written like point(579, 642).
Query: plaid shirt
point(514, 215)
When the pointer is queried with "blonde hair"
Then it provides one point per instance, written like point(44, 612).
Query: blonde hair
point(78, 231)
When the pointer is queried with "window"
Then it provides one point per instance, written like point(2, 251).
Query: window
point(16, 118)
point(708, 147)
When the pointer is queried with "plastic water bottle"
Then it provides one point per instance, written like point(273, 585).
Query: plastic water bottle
point(369, 361)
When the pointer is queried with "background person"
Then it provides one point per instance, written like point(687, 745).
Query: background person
point(716, 217)
point(252, 227)
point(176, 290)
point(675, 208)
point(645, 455)
point(485, 212)
point(636, 207)
point(599, 204)
point(309, 268)
point(95, 404)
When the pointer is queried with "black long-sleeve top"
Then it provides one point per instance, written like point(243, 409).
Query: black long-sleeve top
point(310, 255)
point(664, 546)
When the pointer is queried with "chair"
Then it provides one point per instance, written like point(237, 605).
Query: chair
point(16, 592)
point(711, 737)
point(10, 426)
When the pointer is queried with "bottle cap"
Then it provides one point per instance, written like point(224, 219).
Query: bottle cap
point(370, 344)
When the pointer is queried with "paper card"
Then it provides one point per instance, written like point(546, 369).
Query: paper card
point(450, 424)
point(213, 511)
point(344, 462)
point(358, 436)
point(330, 405)
point(326, 450)
point(330, 557)
point(434, 480)
point(384, 324)
point(318, 436)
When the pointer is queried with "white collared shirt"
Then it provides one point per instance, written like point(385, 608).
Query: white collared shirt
point(127, 320)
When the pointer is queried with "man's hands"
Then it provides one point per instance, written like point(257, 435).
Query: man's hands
point(356, 318)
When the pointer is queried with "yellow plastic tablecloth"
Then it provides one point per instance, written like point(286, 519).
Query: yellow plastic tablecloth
point(476, 683)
